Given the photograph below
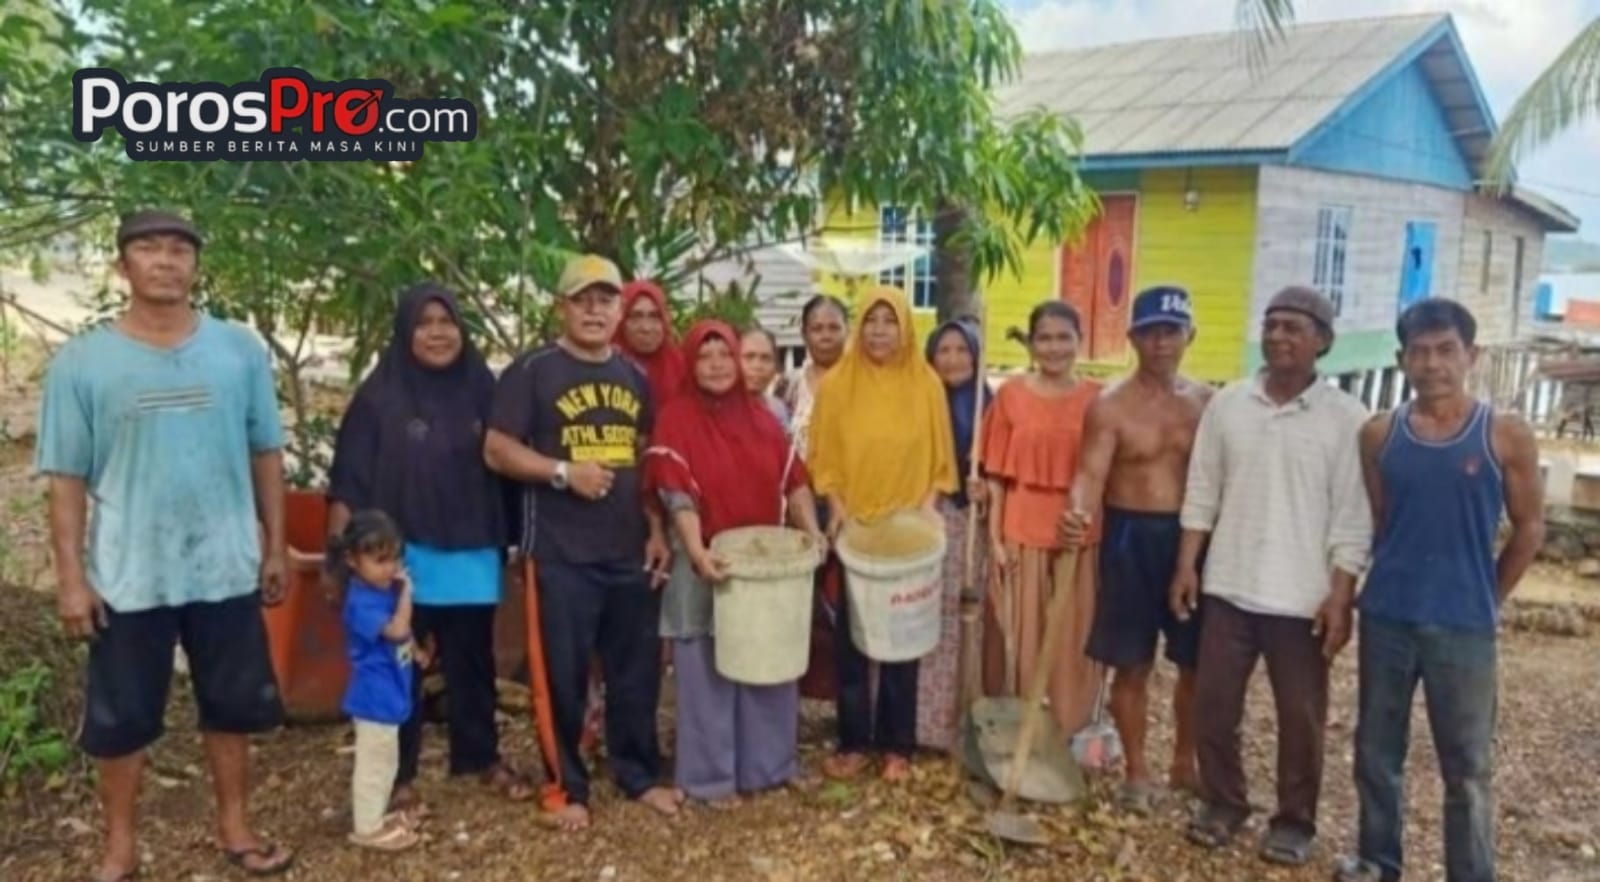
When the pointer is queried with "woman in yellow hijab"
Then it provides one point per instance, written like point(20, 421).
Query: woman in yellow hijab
point(880, 441)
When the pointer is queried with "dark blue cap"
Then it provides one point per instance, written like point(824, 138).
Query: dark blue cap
point(1162, 305)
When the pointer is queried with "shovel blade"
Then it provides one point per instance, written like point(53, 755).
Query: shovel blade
point(990, 743)
point(1013, 827)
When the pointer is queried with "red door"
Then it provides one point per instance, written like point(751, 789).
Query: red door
point(1097, 275)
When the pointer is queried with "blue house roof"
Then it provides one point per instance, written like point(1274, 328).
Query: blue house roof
point(1195, 100)
point(1391, 97)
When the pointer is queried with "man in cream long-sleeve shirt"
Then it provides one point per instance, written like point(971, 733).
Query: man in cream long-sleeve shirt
point(1275, 486)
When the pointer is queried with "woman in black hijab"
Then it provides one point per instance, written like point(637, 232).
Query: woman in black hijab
point(411, 445)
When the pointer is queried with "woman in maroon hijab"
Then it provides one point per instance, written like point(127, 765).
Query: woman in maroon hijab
point(647, 337)
point(719, 460)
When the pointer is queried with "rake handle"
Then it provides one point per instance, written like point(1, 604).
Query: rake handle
point(1066, 573)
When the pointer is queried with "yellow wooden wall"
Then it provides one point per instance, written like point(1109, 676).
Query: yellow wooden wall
point(1209, 251)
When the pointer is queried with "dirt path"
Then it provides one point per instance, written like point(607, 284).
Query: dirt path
point(1546, 584)
point(1548, 752)
point(1548, 755)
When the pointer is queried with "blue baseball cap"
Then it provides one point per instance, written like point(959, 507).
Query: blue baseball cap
point(1162, 305)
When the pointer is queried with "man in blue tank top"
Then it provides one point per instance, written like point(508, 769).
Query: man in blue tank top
point(1439, 471)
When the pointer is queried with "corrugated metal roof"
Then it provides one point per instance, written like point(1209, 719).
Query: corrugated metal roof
point(1192, 94)
point(1552, 216)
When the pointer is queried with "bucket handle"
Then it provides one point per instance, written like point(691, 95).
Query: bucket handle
point(783, 498)
point(783, 482)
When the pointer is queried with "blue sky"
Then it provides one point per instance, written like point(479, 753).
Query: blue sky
point(1509, 43)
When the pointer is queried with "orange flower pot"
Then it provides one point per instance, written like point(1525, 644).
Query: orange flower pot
point(305, 632)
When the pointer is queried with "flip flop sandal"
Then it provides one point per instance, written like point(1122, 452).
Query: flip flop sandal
point(126, 876)
point(1213, 828)
point(1138, 798)
point(1289, 848)
point(390, 837)
point(1354, 869)
point(405, 818)
point(276, 860)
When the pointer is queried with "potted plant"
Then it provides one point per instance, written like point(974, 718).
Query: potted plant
point(305, 631)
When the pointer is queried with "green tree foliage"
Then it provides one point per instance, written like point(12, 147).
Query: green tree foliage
point(1566, 94)
point(666, 135)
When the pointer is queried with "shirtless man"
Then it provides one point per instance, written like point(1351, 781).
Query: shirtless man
point(1135, 463)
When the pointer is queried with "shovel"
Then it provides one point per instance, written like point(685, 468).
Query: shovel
point(1005, 822)
point(969, 659)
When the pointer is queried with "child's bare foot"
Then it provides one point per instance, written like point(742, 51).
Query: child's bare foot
point(666, 800)
point(722, 803)
point(570, 818)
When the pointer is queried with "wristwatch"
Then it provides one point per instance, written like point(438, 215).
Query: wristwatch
point(558, 480)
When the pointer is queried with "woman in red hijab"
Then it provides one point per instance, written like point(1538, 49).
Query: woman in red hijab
point(718, 460)
point(647, 337)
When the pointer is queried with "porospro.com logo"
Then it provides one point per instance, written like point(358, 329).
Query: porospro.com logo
point(285, 115)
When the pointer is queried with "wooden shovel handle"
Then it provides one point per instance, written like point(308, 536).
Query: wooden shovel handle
point(1066, 580)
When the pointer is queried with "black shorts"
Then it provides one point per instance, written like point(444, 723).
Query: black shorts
point(1138, 554)
point(130, 672)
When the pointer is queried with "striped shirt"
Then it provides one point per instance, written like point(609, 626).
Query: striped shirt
point(163, 439)
point(1279, 488)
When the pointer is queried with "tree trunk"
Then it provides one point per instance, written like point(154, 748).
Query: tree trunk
point(954, 292)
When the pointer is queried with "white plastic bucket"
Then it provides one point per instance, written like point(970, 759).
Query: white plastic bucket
point(761, 617)
point(894, 597)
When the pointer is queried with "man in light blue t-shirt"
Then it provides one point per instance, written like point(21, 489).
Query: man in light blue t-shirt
point(159, 432)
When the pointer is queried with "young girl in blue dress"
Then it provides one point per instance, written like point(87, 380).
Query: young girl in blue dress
point(383, 657)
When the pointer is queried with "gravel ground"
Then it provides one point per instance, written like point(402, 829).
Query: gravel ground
point(1548, 752)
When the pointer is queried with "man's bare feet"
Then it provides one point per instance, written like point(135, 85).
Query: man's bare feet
point(1184, 779)
point(571, 818)
point(406, 799)
point(117, 869)
point(666, 800)
point(896, 768)
point(259, 858)
point(844, 766)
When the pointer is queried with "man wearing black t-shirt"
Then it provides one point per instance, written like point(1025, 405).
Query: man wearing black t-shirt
point(569, 421)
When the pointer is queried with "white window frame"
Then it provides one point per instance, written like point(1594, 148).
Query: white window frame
point(1488, 261)
point(923, 287)
point(1330, 269)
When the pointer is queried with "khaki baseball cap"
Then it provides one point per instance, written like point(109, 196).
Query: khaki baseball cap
point(588, 270)
point(149, 222)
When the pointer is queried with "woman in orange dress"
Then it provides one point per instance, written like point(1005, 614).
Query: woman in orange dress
point(1031, 442)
